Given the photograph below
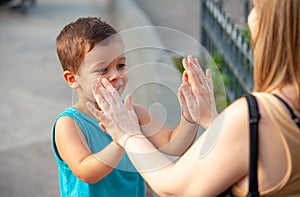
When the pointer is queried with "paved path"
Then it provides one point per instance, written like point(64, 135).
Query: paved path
point(33, 91)
point(176, 14)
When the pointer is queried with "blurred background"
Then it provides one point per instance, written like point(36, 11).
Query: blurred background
point(33, 91)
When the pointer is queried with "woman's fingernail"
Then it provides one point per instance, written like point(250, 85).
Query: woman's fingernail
point(104, 80)
point(102, 88)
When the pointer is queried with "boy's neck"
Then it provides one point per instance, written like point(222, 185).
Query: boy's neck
point(82, 108)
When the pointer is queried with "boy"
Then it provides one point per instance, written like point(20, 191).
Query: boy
point(89, 162)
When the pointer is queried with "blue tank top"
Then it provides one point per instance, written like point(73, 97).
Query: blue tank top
point(123, 180)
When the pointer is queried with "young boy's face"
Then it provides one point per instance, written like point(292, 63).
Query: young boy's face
point(104, 61)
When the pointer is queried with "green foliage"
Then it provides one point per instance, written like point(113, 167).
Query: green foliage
point(218, 59)
point(218, 88)
point(178, 63)
point(246, 33)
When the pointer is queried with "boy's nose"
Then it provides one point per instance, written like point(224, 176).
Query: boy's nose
point(114, 76)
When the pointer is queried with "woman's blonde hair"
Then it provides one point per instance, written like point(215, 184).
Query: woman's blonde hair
point(276, 49)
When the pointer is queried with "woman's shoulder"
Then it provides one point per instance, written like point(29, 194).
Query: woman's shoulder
point(237, 110)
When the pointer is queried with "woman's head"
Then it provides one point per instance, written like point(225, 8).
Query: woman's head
point(78, 38)
point(274, 27)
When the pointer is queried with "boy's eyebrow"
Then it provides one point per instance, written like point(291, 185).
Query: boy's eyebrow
point(104, 62)
point(100, 63)
point(122, 58)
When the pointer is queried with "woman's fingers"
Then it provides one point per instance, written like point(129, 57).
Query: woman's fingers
point(111, 90)
point(99, 115)
point(100, 95)
point(95, 86)
point(94, 110)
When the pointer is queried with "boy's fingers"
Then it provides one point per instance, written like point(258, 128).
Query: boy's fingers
point(197, 70)
point(193, 79)
point(182, 100)
point(184, 63)
point(184, 77)
point(188, 96)
point(190, 72)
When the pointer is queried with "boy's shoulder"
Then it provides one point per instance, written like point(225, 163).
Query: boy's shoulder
point(67, 112)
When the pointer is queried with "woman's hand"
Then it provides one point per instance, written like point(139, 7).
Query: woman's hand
point(196, 95)
point(118, 119)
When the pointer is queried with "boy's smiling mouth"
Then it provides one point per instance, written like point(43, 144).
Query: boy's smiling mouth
point(118, 87)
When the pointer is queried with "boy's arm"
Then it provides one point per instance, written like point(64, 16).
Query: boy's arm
point(73, 149)
point(171, 142)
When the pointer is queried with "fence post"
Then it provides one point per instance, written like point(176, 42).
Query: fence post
point(218, 33)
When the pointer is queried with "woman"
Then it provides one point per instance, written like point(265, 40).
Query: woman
point(219, 158)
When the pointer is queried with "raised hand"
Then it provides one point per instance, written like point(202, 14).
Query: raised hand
point(118, 119)
point(196, 94)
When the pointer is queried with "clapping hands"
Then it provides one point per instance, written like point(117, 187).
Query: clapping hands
point(116, 118)
point(196, 94)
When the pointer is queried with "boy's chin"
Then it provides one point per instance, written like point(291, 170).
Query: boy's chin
point(120, 91)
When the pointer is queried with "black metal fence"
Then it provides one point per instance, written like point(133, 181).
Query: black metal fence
point(219, 34)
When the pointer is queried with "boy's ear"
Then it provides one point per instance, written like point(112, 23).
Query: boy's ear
point(70, 79)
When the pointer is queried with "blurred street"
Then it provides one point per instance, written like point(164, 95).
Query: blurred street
point(33, 93)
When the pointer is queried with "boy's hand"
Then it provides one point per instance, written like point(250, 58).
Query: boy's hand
point(196, 93)
point(183, 91)
point(119, 119)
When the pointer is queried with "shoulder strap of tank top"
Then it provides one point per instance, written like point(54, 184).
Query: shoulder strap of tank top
point(254, 117)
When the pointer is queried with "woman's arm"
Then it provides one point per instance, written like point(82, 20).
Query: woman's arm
point(73, 149)
point(206, 169)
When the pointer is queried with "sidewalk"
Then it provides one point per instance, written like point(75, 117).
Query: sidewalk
point(33, 91)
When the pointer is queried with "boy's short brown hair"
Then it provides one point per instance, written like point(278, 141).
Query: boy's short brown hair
point(78, 38)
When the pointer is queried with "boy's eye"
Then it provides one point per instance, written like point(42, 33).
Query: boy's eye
point(103, 70)
point(122, 66)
